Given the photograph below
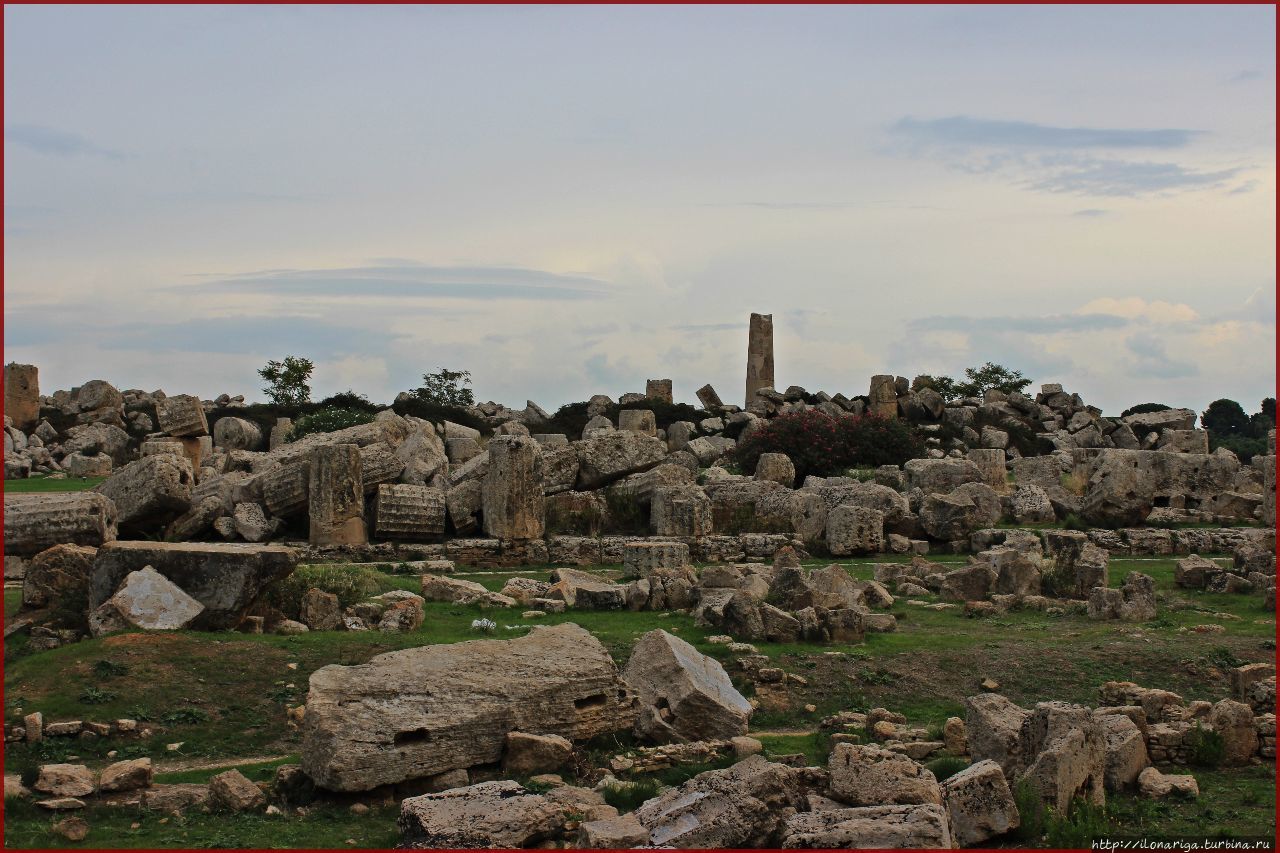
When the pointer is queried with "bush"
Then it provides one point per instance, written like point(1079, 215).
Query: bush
point(1241, 445)
point(1205, 747)
point(1143, 408)
point(437, 413)
point(1031, 812)
point(352, 584)
point(350, 400)
point(328, 420)
point(946, 766)
point(819, 444)
point(1079, 827)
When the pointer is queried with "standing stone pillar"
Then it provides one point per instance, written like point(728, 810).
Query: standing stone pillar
point(511, 495)
point(1269, 491)
point(759, 355)
point(336, 496)
point(22, 395)
point(658, 389)
point(883, 397)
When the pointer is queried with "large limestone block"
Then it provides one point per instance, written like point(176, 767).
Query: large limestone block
point(638, 420)
point(684, 695)
point(710, 400)
point(1064, 754)
point(870, 828)
point(605, 457)
point(1126, 749)
point(22, 395)
point(512, 500)
point(1145, 422)
point(151, 491)
point(231, 433)
point(682, 510)
point(641, 559)
point(423, 454)
point(335, 496)
point(182, 415)
point(855, 530)
point(941, 475)
point(993, 725)
point(883, 397)
point(586, 591)
point(58, 574)
point(488, 815)
point(418, 712)
point(869, 775)
point(146, 600)
point(65, 780)
point(979, 804)
point(226, 578)
point(991, 462)
point(1234, 721)
point(403, 511)
point(745, 805)
point(35, 522)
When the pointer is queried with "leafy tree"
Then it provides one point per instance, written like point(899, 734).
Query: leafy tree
point(944, 385)
point(446, 388)
point(328, 420)
point(989, 377)
point(1225, 417)
point(288, 380)
point(1143, 408)
point(1260, 423)
point(1269, 408)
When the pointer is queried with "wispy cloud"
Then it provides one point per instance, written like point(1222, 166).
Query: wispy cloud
point(58, 143)
point(1124, 178)
point(1151, 358)
point(977, 132)
point(1091, 212)
point(412, 281)
point(1025, 324)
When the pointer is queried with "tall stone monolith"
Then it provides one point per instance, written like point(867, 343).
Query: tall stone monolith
point(511, 495)
point(22, 395)
point(759, 355)
point(335, 496)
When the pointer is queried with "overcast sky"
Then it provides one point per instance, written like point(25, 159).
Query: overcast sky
point(569, 201)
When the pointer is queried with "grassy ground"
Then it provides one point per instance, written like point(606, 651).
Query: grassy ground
point(44, 484)
point(224, 696)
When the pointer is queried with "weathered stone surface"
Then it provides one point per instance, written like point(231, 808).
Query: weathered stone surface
point(79, 465)
point(559, 469)
point(175, 799)
point(1195, 572)
point(683, 694)
point(709, 399)
point(1126, 750)
point(251, 523)
point(1156, 785)
point(335, 496)
point(638, 420)
point(182, 415)
point(320, 610)
point(460, 591)
point(940, 476)
point(92, 439)
point(1145, 422)
point(883, 397)
point(404, 511)
point(232, 791)
point(777, 468)
point(866, 775)
point(745, 805)
point(147, 600)
point(641, 559)
point(126, 776)
point(993, 726)
point(1063, 753)
point(991, 463)
point(971, 583)
point(418, 712)
point(149, 492)
point(490, 814)
point(586, 590)
point(526, 754)
point(512, 497)
point(759, 355)
point(855, 530)
point(60, 573)
point(226, 578)
point(979, 804)
point(870, 828)
point(22, 395)
point(1234, 721)
point(617, 833)
point(230, 433)
point(65, 780)
point(606, 457)
point(1134, 601)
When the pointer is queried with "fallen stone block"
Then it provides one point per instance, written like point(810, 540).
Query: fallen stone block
point(490, 814)
point(683, 694)
point(149, 492)
point(36, 522)
point(979, 804)
point(871, 775)
point(870, 828)
point(147, 600)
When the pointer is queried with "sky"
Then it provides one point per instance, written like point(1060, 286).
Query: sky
point(567, 201)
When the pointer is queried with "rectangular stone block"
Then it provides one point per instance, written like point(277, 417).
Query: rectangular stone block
point(658, 389)
point(34, 522)
point(151, 491)
point(641, 559)
point(22, 395)
point(512, 501)
point(335, 496)
point(182, 416)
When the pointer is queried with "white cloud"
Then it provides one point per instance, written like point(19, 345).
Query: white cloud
point(1136, 308)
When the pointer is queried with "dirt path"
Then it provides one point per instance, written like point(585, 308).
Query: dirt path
point(182, 766)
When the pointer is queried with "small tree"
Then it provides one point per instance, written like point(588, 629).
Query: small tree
point(944, 385)
point(446, 388)
point(1224, 418)
point(990, 376)
point(288, 380)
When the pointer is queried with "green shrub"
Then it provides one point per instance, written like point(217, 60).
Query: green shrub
point(819, 444)
point(629, 796)
point(352, 584)
point(946, 766)
point(185, 717)
point(1205, 747)
point(1075, 522)
point(328, 420)
point(1032, 816)
point(438, 413)
point(350, 400)
point(1143, 408)
point(1083, 823)
point(94, 696)
point(663, 412)
point(1241, 445)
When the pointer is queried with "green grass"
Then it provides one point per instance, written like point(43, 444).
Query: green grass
point(223, 695)
point(44, 484)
